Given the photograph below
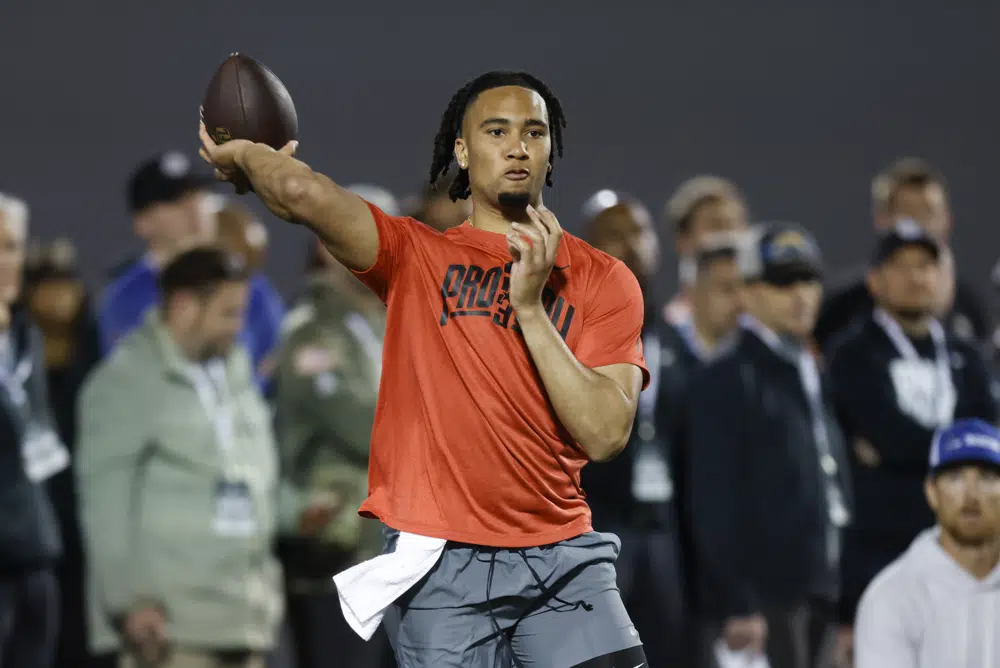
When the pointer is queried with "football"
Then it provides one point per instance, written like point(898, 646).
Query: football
point(245, 100)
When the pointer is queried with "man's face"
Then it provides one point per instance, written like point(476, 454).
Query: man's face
point(907, 283)
point(786, 309)
point(12, 233)
point(625, 231)
point(927, 205)
point(442, 214)
point(966, 501)
point(218, 318)
point(505, 145)
point(716, 299)
point(708, 218)
point(180, 225)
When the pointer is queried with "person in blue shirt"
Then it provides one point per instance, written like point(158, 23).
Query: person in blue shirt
point(173, 210)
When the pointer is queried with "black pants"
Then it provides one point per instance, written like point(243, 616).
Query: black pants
point(866, 553)
point(800, 636)
point(323, 639)
point(29, 613)
point(650, 578)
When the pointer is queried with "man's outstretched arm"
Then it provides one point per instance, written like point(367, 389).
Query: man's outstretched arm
point(294, 191)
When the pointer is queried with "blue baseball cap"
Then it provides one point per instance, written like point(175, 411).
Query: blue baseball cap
point(965, 442)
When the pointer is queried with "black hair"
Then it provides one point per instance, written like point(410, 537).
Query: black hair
point(200, 271)
point(451, 124)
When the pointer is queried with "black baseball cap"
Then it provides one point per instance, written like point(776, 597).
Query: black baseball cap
point(781, 254)
point(904, 233)
point(165, 177)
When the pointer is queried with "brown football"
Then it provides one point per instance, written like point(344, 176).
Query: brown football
point(245, 100)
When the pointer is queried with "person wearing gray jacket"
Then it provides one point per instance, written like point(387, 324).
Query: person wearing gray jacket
point(939, 604)
point(178, 479)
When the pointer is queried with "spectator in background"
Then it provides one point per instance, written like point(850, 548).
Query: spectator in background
point(767, 485)
point(632, 495)
point(178, 482)
point(174, 211)
point(435, 208)
point(700, 206)
point(686, 346)
point(239, 233)
point(937, 604)
point(30, 453)
point(58, 302)
point(378, 196)
point(328, 376)
point(909, 189)
point(898, 375)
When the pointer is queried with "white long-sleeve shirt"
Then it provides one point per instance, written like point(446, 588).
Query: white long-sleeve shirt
point(925, 611)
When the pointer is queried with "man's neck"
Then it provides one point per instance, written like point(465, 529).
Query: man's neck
point(707, 338)
point(912, 325)
point(978, 561)
point(491, 218)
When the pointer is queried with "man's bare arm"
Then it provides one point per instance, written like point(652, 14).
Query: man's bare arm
point(597, 406)
point(294, 191)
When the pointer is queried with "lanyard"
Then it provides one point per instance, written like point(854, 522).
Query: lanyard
point(213, 393)
point(943, 407)
point(14, 381)
point(811, 385)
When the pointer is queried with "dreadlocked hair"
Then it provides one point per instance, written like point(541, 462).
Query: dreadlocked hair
point(451, 125)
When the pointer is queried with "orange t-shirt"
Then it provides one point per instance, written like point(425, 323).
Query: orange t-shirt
point(465, 445)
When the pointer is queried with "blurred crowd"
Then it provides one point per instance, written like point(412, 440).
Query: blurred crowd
point(186, 449)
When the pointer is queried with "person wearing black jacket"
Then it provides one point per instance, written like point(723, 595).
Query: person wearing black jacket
point(909, 189)
point(898, 375)
point(30, 453)
point(768, 493)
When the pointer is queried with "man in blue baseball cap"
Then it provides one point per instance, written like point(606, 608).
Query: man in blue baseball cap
point(939, 603)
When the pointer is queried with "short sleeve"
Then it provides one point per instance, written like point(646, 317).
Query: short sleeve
point(612, 324)
point(394, 235)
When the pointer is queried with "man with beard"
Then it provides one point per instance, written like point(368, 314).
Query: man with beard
point(512, 357)
point(897, 376)
point(178, 482)
point(937, 604)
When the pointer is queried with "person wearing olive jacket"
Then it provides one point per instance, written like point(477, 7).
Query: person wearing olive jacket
point(178, 479)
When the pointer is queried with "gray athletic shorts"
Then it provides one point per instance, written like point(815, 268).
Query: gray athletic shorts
point(480, 607)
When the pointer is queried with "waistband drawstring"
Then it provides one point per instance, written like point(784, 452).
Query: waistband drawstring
point(493, 620)
point(546, 591)
point(566, 606)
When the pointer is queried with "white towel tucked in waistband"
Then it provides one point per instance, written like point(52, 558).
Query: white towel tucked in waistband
point(367, 589)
